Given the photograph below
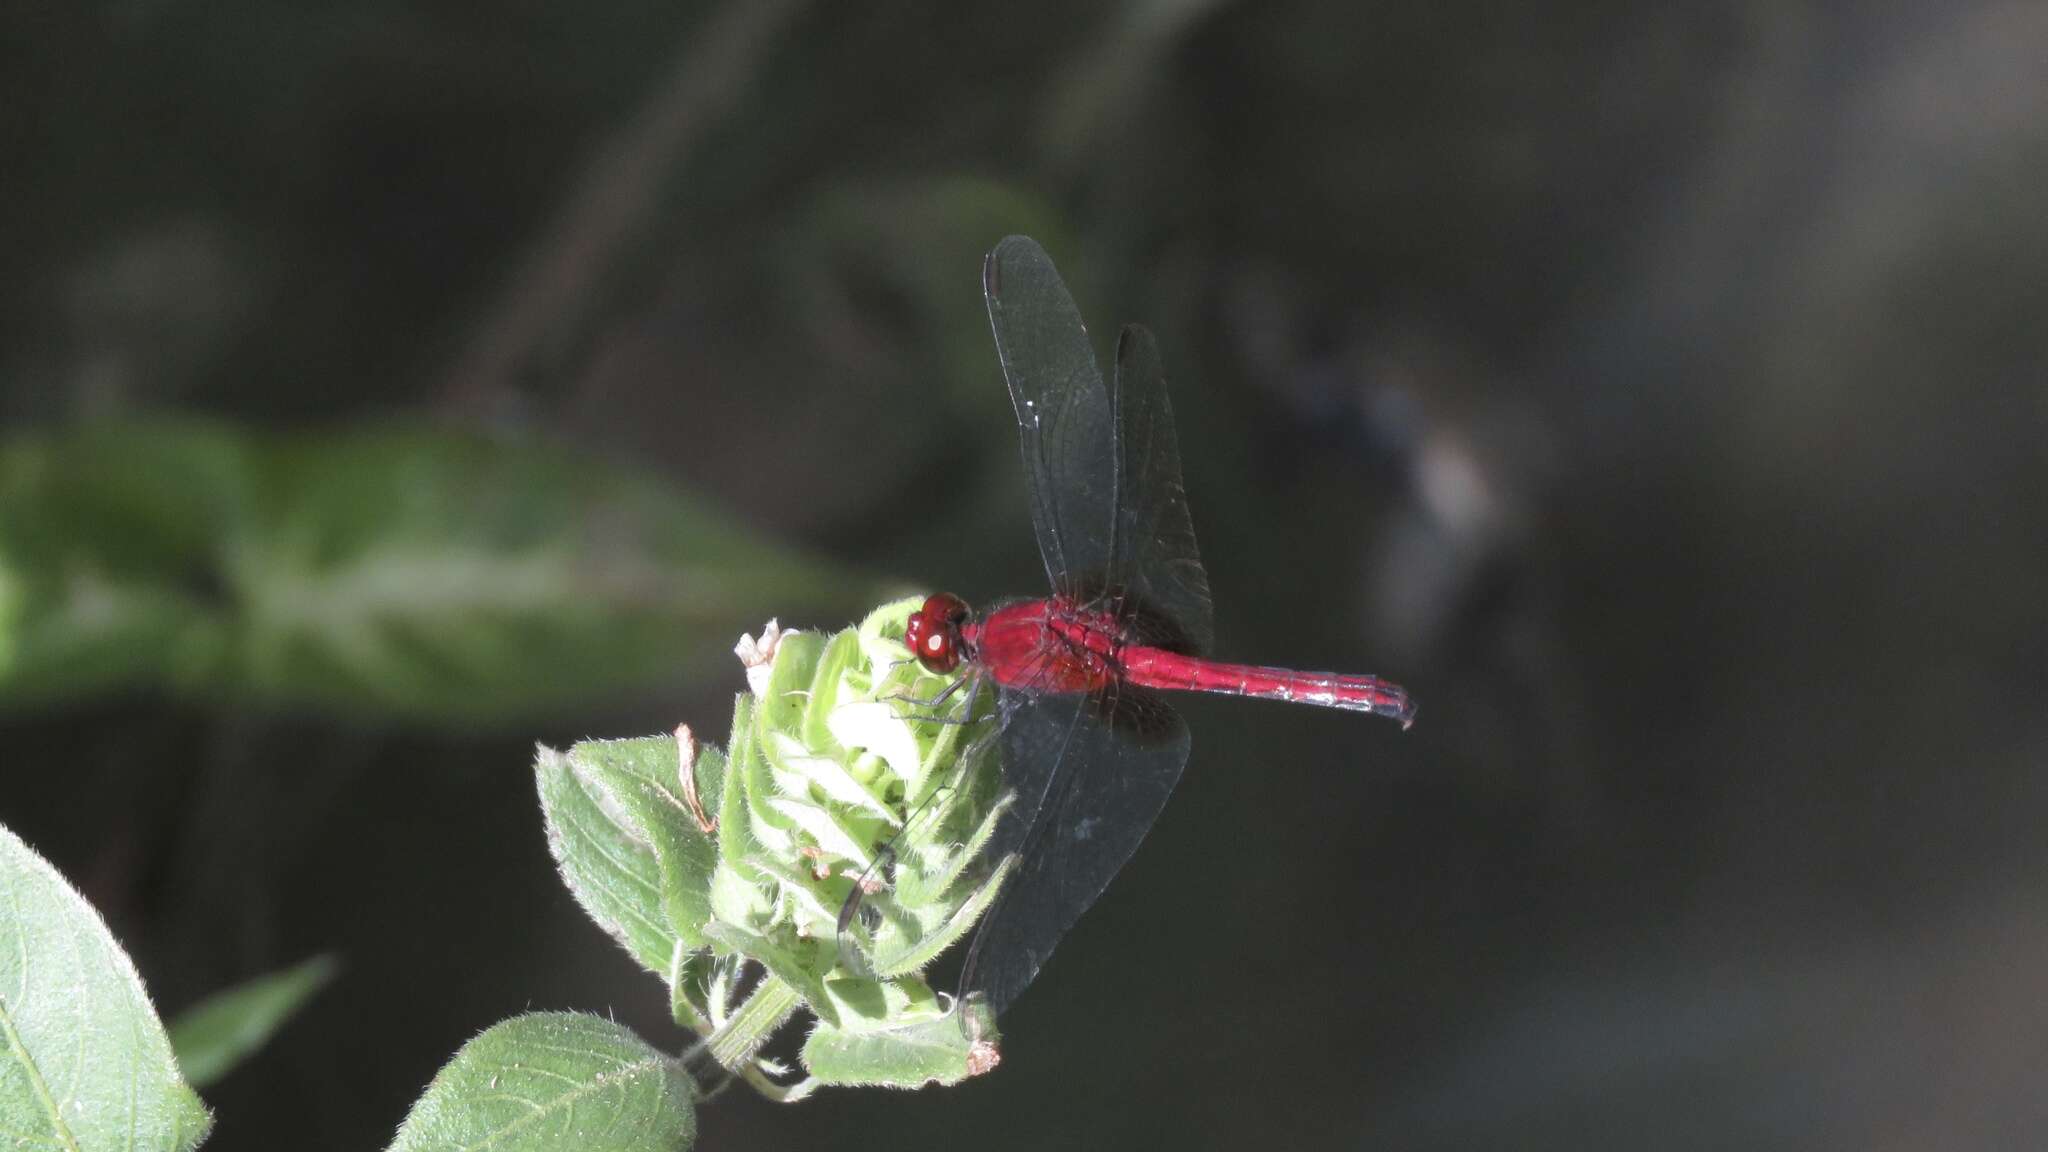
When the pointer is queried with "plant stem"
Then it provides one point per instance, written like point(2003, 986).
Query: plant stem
point(749, 1027)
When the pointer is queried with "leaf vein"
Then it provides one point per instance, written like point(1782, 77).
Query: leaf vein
point(567, 1100)
point(35, 1079)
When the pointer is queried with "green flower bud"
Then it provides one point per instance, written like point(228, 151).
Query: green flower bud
point(844, 776)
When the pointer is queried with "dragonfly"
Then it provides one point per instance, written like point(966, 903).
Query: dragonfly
point(1090, 750)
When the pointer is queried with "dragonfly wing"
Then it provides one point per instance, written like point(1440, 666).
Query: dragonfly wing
point(1063, 412)
point(1117, 760)
point(1153, 557)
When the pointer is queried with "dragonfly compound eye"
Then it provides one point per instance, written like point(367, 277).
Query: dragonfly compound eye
point(931, 633)
point(947, 607)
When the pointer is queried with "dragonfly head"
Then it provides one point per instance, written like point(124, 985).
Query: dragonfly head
point(933, 632)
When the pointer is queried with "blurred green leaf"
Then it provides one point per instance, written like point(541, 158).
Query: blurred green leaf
point(216, 1034)
point(552, 1081)
point(84, 1062)
point(409, 572)
point(109, 548)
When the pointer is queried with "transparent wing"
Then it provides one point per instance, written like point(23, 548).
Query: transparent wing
point(1063, 413)
point(1115, 759)
point(1088, 775)
point(1153, 558)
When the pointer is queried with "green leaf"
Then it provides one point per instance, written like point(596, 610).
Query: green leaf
point(756, 775)
point(864, 1005)
point(84, 1063)
point(903, 949)
point(606, 860)
point(689, 856)
point(736, 846)
point(798, 963)
point(552, 1081)
point(216, 1034)
point(789, 682)
point(409, 571)
point(935, 1051)
point(833, 665)
point(691, 982)
point(645, 777)
point(740, 897)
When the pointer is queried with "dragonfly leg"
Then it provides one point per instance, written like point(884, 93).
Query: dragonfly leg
point(877, 876)
point(934, 710)
point(871, 881)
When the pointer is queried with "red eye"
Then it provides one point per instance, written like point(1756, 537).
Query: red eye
point(945, 606)
point(932, 632)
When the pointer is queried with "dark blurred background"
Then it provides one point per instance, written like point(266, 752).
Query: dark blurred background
point(1656, 390)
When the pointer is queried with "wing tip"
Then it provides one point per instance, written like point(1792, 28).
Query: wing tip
point(1008, 249)
point(1134, 340)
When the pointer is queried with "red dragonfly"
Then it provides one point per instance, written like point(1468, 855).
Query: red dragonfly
point(1090, 750)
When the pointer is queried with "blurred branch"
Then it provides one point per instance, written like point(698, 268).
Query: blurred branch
point(546, 300)
point(1103, 93)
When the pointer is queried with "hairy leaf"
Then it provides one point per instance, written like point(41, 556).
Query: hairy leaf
point(936, 1050)
point(645, 778)
point(606, 859)
point(84, 1063)
point(552, 1081)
